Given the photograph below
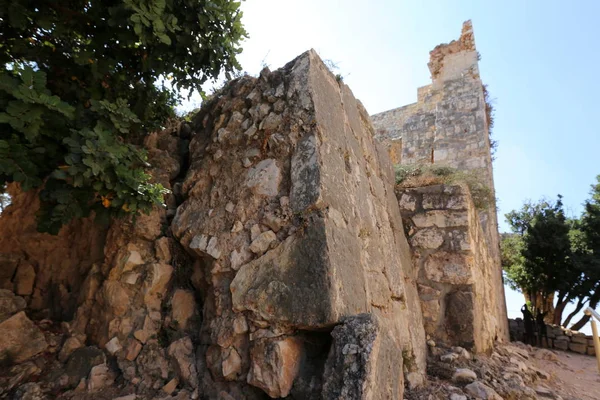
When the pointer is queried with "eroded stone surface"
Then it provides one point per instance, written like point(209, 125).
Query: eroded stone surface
point(275, 365)
point(10, 304)
point(21, 339)
point(288, 182)
point(456, 271)
point(449, 126)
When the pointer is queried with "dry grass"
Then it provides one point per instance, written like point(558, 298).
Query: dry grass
point(412, 176)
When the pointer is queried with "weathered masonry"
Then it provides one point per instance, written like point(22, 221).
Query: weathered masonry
point(449, 126)
point(280, 266)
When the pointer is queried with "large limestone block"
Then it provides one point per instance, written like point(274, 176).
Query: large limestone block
point(288, 184)
point(449, 267)
point(288, 284)
point(21, 339)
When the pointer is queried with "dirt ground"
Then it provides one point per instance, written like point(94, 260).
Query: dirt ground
point(575, 376)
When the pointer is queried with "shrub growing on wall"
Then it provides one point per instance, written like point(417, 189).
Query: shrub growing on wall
point(78, 91)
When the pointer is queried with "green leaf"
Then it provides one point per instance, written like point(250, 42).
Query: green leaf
point(164, 38)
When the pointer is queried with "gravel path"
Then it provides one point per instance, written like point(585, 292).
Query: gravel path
point(576, 376)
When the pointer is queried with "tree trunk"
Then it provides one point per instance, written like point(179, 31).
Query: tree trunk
point(560, 307)
point(580, 305)
point(580, 324)
point(545, 306)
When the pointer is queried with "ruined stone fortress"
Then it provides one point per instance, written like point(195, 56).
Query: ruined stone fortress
point(449, 125)
point(287, 264)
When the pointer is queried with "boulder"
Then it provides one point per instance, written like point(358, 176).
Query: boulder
point(21, 339)
point(81, 362)
point(181, 353)
point(100, 377)
point(10, 304)
point(480, 390)
point(464, 375)
point(275, 363)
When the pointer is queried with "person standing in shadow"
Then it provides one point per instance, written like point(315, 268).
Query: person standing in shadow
point(528, 322)
point(541, 327)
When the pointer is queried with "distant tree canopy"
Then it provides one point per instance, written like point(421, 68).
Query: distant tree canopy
point(548, 254)
point(78, 90)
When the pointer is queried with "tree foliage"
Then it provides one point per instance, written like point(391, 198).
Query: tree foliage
point(548, 254)
point(589, 231)
point(78, 92)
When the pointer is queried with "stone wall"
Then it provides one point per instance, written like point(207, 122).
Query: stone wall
point(455, 270)
point(47, 270)
point(290, 210)
point(449, 126)
point(278, 269)
point(558, 338)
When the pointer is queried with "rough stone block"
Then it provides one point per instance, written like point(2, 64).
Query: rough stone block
point(364, 362)
point(441, 219)
point(428, 238)
point(275, 365)
point(578, 347)
point(447, 267)
point(21, 339)
point(581, 339)
point(459, 318)
point(561, 344)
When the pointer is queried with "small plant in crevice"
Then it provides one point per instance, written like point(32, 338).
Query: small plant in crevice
point(490, 117)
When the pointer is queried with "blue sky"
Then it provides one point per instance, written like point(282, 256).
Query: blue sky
point(539, 59)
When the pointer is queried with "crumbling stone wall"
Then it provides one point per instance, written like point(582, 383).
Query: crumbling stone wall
point(290, 210)
point(278, 269)
point(46, 270)
point(449, 126)
point(455, 270)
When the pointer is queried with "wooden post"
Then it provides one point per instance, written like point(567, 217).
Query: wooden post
point(594, 315)
point(596, 342)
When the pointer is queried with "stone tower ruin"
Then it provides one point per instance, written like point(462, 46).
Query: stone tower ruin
point(449, 125)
